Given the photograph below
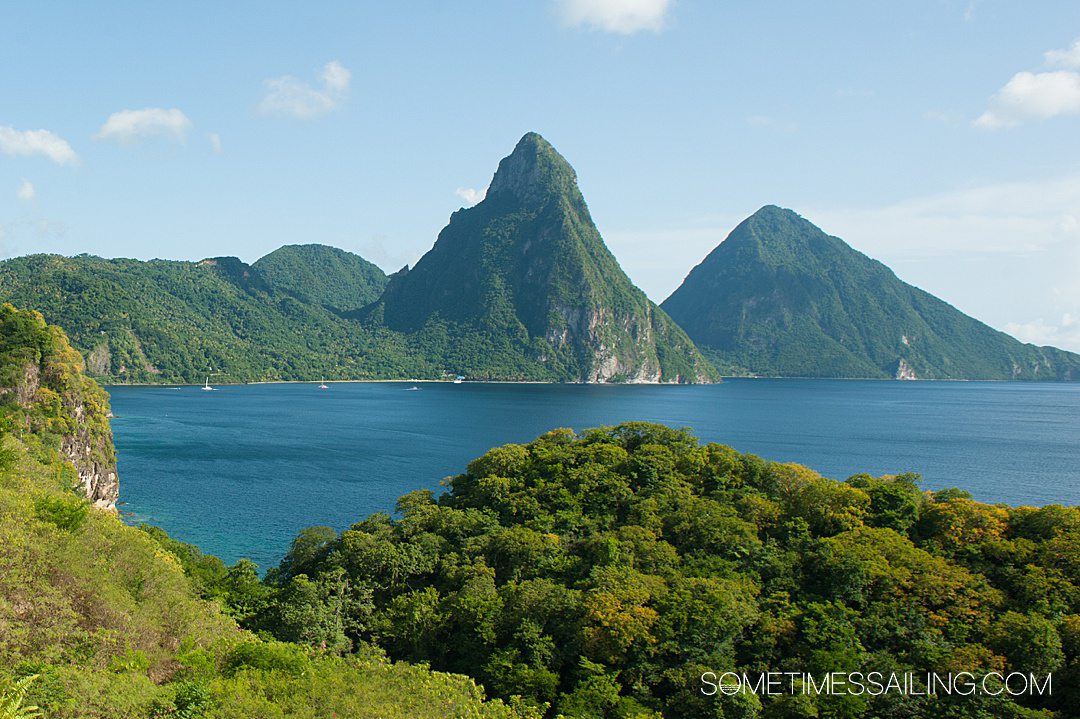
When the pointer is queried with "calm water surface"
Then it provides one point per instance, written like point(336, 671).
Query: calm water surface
point(240, 470)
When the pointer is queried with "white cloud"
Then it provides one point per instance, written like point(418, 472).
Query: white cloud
point(1033, 96)
point(624, 17)
point(1037, 95)
point(130, 125)
point(26, 191)
point(1065, 58)
point(15, 143)
point(470, 195)
point(291, 97)
point(215, 143)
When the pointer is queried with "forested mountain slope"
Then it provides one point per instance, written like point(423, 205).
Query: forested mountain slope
point(779, 297)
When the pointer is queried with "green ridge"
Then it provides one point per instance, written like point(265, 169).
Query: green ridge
point(323, 275)
point(780, 297)
point(166, 321)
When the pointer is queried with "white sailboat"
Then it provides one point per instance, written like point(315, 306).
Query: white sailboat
point(206, 386)
point(323, 385)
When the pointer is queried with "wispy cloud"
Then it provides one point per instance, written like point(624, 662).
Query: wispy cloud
point(964, 245)
point(946, 117)
point(470, 195)
point(1069, 58)
point(127, 126)
point(1037, 95)
point(290, 97)
point(215, 143)
point(26, 191)
point(1064, 332)
point(624, 17)
point(1008, 217)
point(15, 143)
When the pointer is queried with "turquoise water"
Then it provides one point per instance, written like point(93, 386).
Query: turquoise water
point(240, 470)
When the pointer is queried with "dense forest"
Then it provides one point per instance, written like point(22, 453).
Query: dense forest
point(99, 620)
point(780, 297)
point(599, 575)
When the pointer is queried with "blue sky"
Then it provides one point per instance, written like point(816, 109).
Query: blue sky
point(936, 135)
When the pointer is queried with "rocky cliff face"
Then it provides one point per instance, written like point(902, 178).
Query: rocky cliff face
point(95, 460)
point(44, 392)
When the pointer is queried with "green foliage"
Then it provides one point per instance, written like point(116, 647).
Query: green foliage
point(327, 276)
point(13, 698)
point(65, 512)
point(599, 574)
point(268, 656)
point(167, 322)
point(522, 286)
point(99, 620)
point(779, 297)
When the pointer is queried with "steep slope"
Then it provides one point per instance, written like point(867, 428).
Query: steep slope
point(522, 285)
point(99, 620)
point(168, 321)
point(323, 275)
point(45, 398)
point(780, 297)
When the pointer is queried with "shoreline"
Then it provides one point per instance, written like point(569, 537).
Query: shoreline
point(723, 378)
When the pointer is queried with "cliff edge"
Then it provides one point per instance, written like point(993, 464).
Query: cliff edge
point(48, 401)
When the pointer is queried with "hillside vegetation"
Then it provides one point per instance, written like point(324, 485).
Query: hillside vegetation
point(600, 574)
point(327, 276)
point(99, 620)
point(166, 322)
point(526, 275)
point(779, 297)
point(520, 287)
point(592, 575)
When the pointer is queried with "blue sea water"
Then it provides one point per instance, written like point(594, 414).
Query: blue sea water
point(240, 470)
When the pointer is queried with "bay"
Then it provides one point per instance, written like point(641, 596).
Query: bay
point(240, 470)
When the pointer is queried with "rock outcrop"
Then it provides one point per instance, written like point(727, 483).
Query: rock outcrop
point(44, 391)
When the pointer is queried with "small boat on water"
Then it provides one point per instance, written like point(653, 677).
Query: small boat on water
point(323, 385)
point(206, 386)
point(414, 388)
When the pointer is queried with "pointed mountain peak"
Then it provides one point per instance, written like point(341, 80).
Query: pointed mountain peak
point(533, 172)
point(772, 217)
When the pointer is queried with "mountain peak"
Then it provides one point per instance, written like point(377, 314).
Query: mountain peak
point(782, 297)
point(773, 217)
point(522, 286)
point(533, 172)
